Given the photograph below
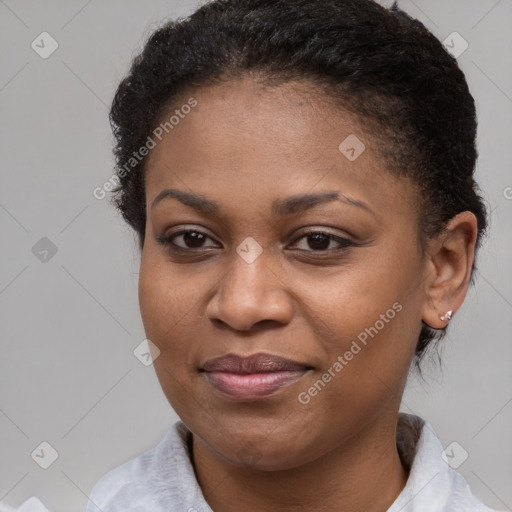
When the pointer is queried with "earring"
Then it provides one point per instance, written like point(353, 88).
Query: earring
point(447, 316)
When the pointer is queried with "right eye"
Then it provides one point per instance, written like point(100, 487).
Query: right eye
point(186, 240)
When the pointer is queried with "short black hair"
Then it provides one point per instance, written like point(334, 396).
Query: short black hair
point(378, 63)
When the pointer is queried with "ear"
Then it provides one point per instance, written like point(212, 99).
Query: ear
point(450, 257)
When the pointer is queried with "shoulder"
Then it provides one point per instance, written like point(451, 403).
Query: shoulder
point(155, 477)
point(432, 484)
point(33, 504)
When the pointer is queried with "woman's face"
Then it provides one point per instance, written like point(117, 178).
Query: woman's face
point(275, 265)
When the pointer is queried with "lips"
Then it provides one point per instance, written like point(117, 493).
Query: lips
point(257, 363)
point(254, 377)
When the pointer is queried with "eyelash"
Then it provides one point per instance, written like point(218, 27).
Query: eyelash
point(167, 241)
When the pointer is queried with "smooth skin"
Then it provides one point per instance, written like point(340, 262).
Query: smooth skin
point(305, 298)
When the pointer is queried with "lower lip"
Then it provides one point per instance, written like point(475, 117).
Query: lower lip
point(254, 385)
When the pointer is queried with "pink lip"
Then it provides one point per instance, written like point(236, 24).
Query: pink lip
point(253, 377)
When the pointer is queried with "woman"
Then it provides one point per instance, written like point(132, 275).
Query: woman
point(300, 177)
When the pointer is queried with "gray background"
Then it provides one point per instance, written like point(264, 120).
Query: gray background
point(68, 375)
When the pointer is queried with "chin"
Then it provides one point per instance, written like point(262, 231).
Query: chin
point(252, 450)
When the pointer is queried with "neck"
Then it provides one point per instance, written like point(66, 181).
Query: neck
point(365, 473)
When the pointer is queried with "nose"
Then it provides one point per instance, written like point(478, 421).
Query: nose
point(250, 295)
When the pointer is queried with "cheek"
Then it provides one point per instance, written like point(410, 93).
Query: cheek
point(166, 306)
point(166, 299)
point(172, 304)
point(370, 315)
point(366, 333)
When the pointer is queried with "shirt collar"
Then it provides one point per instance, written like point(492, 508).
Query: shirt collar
point(431, 485)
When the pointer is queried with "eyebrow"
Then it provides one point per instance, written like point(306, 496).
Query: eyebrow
point(281, 207)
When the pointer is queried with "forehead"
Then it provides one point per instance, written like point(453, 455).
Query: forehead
point(264, 143)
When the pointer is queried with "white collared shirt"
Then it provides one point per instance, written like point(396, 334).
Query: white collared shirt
point(33, 504)
point(162, 479)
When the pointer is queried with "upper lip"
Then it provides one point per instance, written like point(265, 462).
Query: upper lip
point(256, 363)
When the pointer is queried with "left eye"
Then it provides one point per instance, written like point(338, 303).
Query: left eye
point(320, 241)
